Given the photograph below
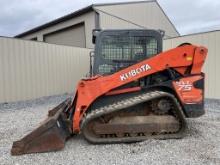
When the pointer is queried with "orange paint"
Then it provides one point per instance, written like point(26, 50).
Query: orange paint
point(186, 91)
point(90, 89)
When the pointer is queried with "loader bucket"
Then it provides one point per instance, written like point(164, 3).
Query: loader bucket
point(49, 136)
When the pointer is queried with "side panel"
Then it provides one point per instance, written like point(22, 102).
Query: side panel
point(190, 91)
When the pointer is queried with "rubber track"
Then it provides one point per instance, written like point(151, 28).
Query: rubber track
point(128, 103)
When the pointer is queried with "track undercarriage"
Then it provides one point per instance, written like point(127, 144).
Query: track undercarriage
point(153, 114)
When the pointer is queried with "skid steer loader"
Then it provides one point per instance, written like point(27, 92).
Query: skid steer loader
point(135, 92)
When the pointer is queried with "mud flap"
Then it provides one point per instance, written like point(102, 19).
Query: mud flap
point(49, 136)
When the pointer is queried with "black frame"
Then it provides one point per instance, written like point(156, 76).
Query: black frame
point(134, 32)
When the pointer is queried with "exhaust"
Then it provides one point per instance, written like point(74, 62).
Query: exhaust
point(50, 135)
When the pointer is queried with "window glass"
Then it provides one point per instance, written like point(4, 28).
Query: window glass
point(122, 51)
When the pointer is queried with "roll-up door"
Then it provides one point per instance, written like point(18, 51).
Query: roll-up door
point(71, 36)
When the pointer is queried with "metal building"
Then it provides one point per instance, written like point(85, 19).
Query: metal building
point(76, 28)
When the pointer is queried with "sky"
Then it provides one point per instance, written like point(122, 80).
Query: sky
point(188, 16)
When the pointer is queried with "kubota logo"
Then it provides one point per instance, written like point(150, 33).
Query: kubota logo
point(134, 72)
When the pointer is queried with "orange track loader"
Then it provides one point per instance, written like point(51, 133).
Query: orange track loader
point(135, 92)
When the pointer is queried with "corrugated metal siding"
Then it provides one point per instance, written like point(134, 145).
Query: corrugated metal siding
point(109, 22)
point(147, 14)
point(210, 40)
point(30, 69)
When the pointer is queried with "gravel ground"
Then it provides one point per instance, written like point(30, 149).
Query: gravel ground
point(200, 146)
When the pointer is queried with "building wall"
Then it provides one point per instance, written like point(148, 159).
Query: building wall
point(135, 15)
point(31, 69)
point(72, 36)
point(210, 40)
point(88, 19)
point(109, 22)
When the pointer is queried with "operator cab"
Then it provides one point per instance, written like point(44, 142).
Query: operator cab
point(118, 49)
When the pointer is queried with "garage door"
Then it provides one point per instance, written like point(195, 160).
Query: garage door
point(71, 36)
